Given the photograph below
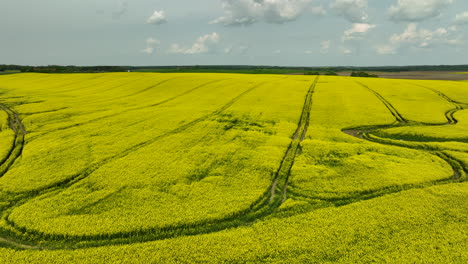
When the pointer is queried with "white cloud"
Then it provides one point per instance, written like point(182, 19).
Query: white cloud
point(151, 44)
point(247, 12)
point(277, 52)
point(202, 45)
point(325, 46)
point(462, 18)
point(354, 11)
point(157, 18)
point(357, 31)
point(420, 38)
point(308, 52)
point(417, 10)
point(318, 10)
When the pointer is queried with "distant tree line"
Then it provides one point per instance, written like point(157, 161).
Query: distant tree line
point(62, 69)
point(363, 74)
point(227, 68)
point(327, 72)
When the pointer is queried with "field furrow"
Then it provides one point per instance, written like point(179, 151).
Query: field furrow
point(262, 207)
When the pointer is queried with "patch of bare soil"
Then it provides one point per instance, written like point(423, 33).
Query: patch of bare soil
point(419, 75)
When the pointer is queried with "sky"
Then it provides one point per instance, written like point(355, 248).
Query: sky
point(234, 32)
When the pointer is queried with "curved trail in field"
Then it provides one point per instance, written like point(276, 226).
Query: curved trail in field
point(460, 171)
point(449, 115)
point(273, 197)
point(17, 145)
point(11, 236)
point(366, 133)
point(267, 204)
point(399, 118)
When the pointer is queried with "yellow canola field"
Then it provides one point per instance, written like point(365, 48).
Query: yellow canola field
point(212, 168)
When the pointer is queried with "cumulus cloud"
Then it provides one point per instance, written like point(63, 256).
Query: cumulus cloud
point(202, 45)
point(354, 11)
point(462, 18)
point(357, 31)
point(420, 38)
point(157, 18)
point(417, 10)
point(248, 12)
point(325, 46)
point(151, 44)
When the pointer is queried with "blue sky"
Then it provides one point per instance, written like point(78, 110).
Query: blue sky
point(253, 32)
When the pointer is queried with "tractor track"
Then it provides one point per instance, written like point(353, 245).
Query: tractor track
point(73, 83)
point(137, 92)
point(16, 148)
point(105, 90)
point(262, 207)
point(359, 196)
point(449, 115)
point(43, 112)
point(399, 118)
point(8, 235)
point(272, 198)
point(366, 133)
point(282, 175)
point(460, 171)
point(126, 111)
